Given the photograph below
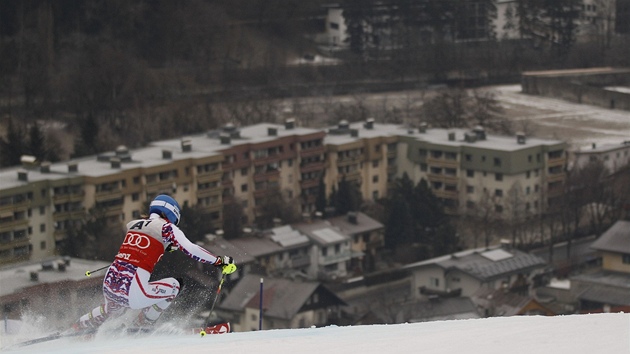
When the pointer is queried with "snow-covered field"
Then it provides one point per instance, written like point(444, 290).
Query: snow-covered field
point(581, 125)
point(596, 333)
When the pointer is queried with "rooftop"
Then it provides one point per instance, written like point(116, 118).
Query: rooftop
point(17, 277)
point(485, 263)
point(616, 239)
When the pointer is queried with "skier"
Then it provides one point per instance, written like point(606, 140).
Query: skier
point(126, 284)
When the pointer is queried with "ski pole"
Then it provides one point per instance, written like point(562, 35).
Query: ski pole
point(227, 269)
point(89, 272)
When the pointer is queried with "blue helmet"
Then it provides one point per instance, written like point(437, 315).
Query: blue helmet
point(166, 206)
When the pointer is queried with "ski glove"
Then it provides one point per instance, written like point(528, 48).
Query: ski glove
point(223, 261)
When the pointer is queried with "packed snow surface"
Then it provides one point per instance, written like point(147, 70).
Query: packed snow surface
point(593, 333)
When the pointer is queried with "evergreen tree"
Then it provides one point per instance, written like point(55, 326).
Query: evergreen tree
point(320, 201)
point(348, 197)
point(13, 146)
point(37, 143)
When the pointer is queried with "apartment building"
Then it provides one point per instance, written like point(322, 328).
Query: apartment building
point(40, 202)
point(612, 156)
point(468, 170)
point(364, 153)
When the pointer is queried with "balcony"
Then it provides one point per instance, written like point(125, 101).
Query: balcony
point(558, 161)
point(558, 177)
point(319, 150)
point(10, 244)
point(300, 261)
point(68, 197)
point(447, 179)
point(441, 162)
point(335, 258)
point(10, 225)
point(268, 175)
point(210, 192)
point(210, 176)
point(309, 183)
point(108, 195)
point(441, 193)
point(314, 166)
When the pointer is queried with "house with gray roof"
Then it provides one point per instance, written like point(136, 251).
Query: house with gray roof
point(286, 303)
point(56, 288)
point(463, 273)
point(608, 287)
point(332, 253)
point(367, 237)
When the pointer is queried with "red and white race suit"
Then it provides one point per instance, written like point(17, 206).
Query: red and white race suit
point(126, 284)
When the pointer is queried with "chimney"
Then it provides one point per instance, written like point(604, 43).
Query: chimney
point(44, 167)
point(28, 161)
point(61, 266)
point(480, 132)
point(352, 217)
point(225, 139)
point(422, 128)
point(34, 276)
point(470, 137)
point(369, 123)
point(520, 138)
point(115, 162)
point(167, 154)
point(343, 124)
point(23, 175)
point(289, 123)
point(186, 145)
point(73, 167)
point(272, 131)
point(594, 146)
point(354, 133)
point(451, 136)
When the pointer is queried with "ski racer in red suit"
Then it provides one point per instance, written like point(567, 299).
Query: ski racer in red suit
point(126, 284)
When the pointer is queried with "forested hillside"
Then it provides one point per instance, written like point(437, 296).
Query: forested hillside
point(81, 77)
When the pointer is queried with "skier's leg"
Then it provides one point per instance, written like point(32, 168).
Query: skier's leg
point(98, 315)
point(152, 297)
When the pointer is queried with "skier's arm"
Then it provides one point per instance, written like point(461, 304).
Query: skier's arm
point(178, 239)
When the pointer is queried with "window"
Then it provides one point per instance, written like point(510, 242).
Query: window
point(434, 282)
point(625, 259)
point(375, 179)
point(42, 228)
point(468, 157)
point(498, 192)
point(375, 163)
point(498, 176)
point(497, 161)
point(470, 173)
point(334, 25)
point(244, 187)
point(42, 245)
point(470, 189)
point(498, 208)
point(423, 167)
point(244, 171)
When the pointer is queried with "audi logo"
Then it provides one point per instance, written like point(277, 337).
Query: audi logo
point(137, 240)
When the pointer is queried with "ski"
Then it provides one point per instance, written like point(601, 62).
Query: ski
point(220, 328)
point(53, 336)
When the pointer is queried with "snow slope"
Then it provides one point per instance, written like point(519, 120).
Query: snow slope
point(593, 334)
